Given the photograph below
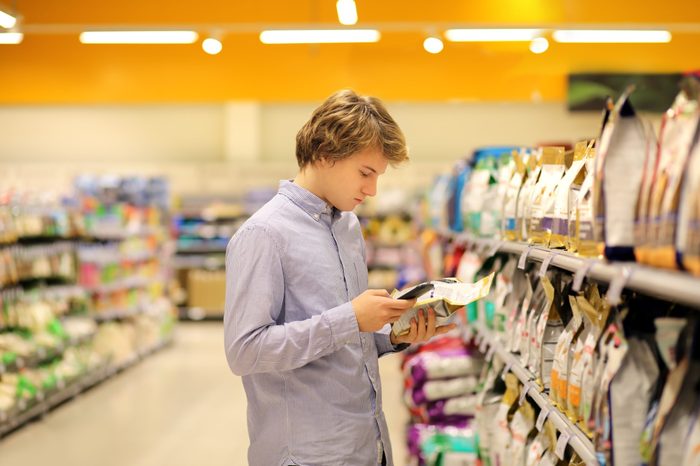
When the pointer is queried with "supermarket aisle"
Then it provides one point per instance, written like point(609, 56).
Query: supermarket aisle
point(181, 406)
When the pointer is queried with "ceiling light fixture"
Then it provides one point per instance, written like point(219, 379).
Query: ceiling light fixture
point(433, 45)
point(539, 45)
point(347, 12)
point(11, 37)
point(611, 36)
point(138, 37)
point(212, 45)
point(491, 35)
point(7, 20)
point(319, 36)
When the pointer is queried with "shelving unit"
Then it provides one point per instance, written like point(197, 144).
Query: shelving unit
point(568, 432)
point(668, 285)
point(46, 402)
point(203, 228)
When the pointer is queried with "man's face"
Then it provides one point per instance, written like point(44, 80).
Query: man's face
point(346, 183)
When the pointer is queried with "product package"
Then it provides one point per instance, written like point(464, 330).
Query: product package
point(553, 168)
point(510, 201)
point(556, 221)
point(678, 136)
point(624, 143)
point(534, 167)
point(580, 235)
point(445, 297)
point(561, 364)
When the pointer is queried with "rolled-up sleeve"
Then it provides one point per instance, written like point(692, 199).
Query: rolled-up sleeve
point(255, 342)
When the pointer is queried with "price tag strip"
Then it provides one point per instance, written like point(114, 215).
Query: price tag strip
point(542, 418)
point(545, 263)
point(617, 284)
point(523, 258)
point(562, 442)
point(581, 274)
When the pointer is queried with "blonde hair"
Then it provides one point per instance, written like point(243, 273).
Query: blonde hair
point(347, 123)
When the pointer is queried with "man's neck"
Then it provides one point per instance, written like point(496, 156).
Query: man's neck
point(307, 178)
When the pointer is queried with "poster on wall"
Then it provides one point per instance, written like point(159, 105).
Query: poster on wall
point(654, 92)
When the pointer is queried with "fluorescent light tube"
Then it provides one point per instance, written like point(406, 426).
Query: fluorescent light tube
point(138, 37)
point(11, 37)
point(491, 35)
point(7, 21)
point(319, 36)
point(347, 12)
point(611, 36)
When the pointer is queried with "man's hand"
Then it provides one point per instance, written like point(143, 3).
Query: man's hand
point(376, 308)
point(422, 330)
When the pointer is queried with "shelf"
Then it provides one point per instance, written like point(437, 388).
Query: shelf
point(16, 418)
point(581, 444)
point(42, 355)
point(668, 285)
point(202, 250)
point(197, 313)
point(119, 285)
point(117, 314)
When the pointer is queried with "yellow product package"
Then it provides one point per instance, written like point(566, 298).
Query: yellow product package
point(445, 297)
point(553, 168)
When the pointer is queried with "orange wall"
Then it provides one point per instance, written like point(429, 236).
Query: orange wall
point(56, 68)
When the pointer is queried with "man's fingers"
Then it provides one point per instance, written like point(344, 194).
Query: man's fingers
point(421, 326)
point(431, 323)
point(444, 329)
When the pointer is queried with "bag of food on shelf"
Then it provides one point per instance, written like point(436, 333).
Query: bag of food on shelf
point(478, 192)
point(643, 237)
point(510, 201)
point(560, 365)
point(520, 319)
point(581, 238)
point(668, 330)
point(442, 389)
point(678, 400)
point(582, 342)
point(462, 406)
point(504, 437)
point(522, 428)
point(631, 391)
point(534, 167)
point(599, 318)
point(691, 445)
point(688, 229)
point(442, 365)
point(613, 348)
point(541, 444)
point(513, 304)
point(678, 135)
point(553, 168)
point(556, 221)
point(529, 354)
point(506, 169)
point(502, 293)
point(624, 142)
point(525, 324)
point(549, 328)
point(539, 322)
point(488, 401)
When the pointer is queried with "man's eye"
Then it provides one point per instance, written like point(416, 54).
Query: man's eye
point(364, 174)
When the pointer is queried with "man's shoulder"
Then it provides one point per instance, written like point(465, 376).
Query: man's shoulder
point(265, 224)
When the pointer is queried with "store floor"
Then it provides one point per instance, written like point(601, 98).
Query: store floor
point(182, 406)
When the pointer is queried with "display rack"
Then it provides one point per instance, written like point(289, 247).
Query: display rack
point(568, 432)
point(203, 227)
point(47, 402)
point(668, 285)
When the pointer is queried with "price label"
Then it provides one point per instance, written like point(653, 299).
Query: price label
point(617, 284)
point(545, 263)
point(542, 418)
point(490, 353)
point(506, 370)
point(524, 391)
point(523, 258)
point(562, 442)
point(581, 274)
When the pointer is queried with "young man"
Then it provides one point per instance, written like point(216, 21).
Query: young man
point(301, 328)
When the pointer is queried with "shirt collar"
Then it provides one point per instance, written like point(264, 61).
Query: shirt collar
point(306, 200)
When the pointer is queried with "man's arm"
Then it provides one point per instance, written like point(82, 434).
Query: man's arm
point(255, 343)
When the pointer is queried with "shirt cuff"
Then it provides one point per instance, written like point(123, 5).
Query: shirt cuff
point(383, 342)
point(343, 325)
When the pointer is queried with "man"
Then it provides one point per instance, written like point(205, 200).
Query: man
point(301, 328)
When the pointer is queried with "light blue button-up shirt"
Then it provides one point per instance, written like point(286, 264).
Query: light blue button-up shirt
point(310, 376)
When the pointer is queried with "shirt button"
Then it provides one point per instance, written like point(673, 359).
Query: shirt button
point(316, 217)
